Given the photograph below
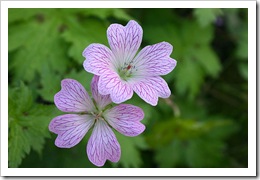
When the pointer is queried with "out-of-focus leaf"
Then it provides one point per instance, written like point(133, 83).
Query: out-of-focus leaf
point(203, 153)
point(83, 33)
point(208, 60)
point(42, 45)
point(242, 48)
point(102, 13)
point(28, 124)
point(194, 36)
point(130, 154)
point(206, 16)
point(18, 14)
point(169, 156)
point(187, 142)
point(189, 77)
point(169, 33)
point(184, 129)
point(243, 69)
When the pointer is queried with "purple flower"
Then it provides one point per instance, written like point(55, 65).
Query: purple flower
point(121, 71)
point(71, 128)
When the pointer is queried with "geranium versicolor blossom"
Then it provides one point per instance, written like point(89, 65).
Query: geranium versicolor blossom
point(121, 71)
point(71, 128)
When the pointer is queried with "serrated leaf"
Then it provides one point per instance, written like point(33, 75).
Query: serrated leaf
point(206, 16)
point(18, 145)
point(130, 150)
point(81, 34)
point(41, 44)
point(27, 125)
point(50, 84)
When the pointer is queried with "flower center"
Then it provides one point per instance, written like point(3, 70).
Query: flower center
point(126, 71)
point(97, 115)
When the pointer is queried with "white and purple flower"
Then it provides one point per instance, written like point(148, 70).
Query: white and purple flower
point(71, 128)
point(121, 71)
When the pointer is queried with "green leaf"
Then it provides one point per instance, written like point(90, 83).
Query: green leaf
point(50, 84)
point(206, 16)
point(189, 77)
point(28, 124)
point(194, 36)
point(203, 153)
point(82, 76)
point(243, 69)
point(169, 156)
point(81, 34)
point(102, 13)
point(208, 60)
point(40, 44)
point(181, 142)
point(105, 13)
point(169, 33)
point(22, 14)
point(185, 129)
point(18, 145)
point(242, 46)
point(130, 150)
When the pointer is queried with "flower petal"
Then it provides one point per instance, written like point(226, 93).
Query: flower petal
point(99, 59)
point(125, 118)
point(155, 60)
point(147, 92)
point(101, 100)
point(125, 41)
point(73, 97)
point(119, 90)
point(160, 85)
point(71, 128)
point(103, 144)
point(150, 88)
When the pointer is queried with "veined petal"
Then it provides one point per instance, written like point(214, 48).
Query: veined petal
point(125, 118)
point(119, 90)
point(73, 97)
point(147, 92)
point(101, 100)
point(155, 60)
point(160, 85)
point(103, 144)
point(99, 59)
point(125, 41)
point(71, 128)
point(150, 88)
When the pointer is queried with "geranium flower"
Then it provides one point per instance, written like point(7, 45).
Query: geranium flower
point(71, 128)
point(121, 71)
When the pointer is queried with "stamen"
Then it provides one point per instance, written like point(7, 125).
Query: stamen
point(126, 71)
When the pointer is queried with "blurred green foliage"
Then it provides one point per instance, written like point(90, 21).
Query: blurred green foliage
point(203, 123)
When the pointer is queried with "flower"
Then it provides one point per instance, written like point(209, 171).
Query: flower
point(71, 128)
point(121, 71)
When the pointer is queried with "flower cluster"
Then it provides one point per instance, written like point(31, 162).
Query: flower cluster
point(117, 74)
